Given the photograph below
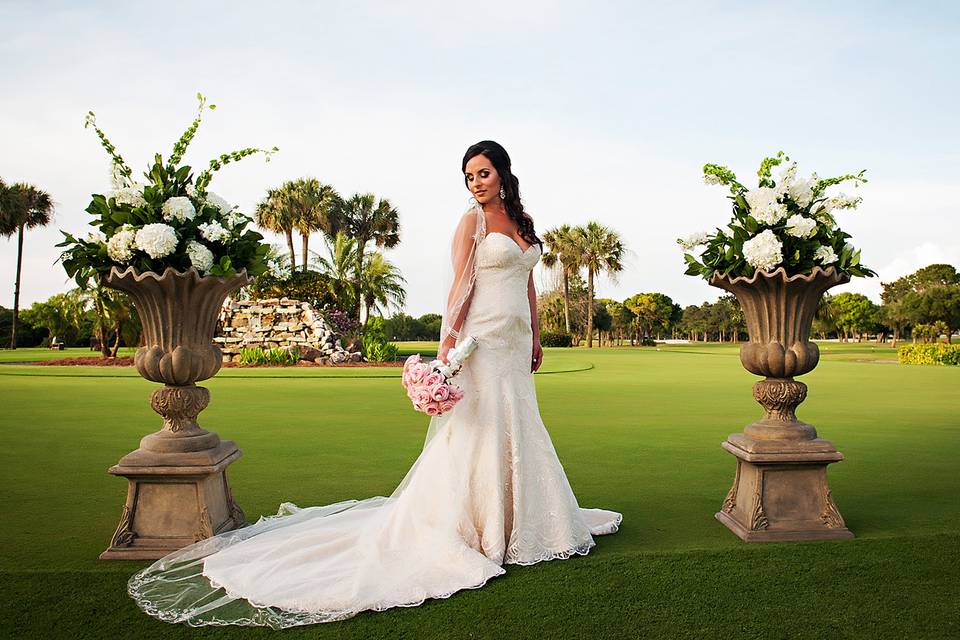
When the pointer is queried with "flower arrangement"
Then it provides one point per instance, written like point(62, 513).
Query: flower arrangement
point(784, 223)
point(428, 384)
point(168, 221)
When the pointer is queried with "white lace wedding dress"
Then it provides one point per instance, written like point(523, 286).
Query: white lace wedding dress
point(487, 490)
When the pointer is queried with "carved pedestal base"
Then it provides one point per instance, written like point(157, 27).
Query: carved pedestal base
point(173, 499)
point(781, 492)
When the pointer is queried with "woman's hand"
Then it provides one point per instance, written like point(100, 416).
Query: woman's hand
point(445, 347)
point(537, 355)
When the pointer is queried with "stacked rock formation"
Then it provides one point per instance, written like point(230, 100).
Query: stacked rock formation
point(279, 323)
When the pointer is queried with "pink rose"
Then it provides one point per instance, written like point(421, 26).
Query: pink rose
point(432, 409)
point(433, 379)
point(446, 405)
point(414, 359)
point(422, 397)
point(456, 393)
point(440, 392)
point(420, 371)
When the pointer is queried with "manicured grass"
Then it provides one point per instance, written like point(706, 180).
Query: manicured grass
point(638, 430)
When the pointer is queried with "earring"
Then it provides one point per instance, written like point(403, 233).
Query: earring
point(503, 194)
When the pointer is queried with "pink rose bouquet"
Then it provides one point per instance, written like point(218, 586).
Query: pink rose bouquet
point(429, 385)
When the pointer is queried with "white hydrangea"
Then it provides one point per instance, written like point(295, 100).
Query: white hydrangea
point(764, 206)
point(222, 205)
point(156, 240)
point(764, 251)
point(200, 256)
point(132, 196)
point(178, 208)
point(694, 240)
point(214, 232)
point(801, 192)
point(800, 227)
point(825, 255)
point(842, 201)
point(120, 244)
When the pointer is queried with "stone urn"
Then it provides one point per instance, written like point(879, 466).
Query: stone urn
point(178, 491)
point(780, 490)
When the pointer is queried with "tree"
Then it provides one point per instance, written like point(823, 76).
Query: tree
point(562, 254)
point(274, 215)
point(337, 267)
point(926, 296)
point(62, 316)
point(382, 285)
point(113, 313)
point(311, 204)
point(22, 206)
point(857, 314)
point(599, 250)
point(366, 219)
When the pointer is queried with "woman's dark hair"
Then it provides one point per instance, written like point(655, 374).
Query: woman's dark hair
point(498, 157)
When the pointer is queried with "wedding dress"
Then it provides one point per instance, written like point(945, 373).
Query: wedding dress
point(487, 490)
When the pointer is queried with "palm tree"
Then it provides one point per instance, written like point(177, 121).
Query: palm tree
point(273, 214)
point(338, 267)
point(364, 219)
point(600, 250)
point(22, 206)
point(382, 285)
point(313, 204)
point(561, 252)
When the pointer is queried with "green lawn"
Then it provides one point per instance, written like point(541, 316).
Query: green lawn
point(638, 430)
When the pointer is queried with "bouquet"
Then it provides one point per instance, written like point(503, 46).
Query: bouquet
point(428, 383)
point(785, 223)
point(171, 220)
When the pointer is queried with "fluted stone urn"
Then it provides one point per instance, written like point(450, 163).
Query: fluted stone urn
point(780, 490)
point(178, 491)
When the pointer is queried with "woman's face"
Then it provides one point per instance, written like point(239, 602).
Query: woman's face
point(483, 181)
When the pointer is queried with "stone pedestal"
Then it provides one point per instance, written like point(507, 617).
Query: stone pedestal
point(780, 491)
point(173, 499)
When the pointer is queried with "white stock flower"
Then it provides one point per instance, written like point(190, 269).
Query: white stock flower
point(842, 201)
point(785, 179)
point(234, 218)
point(120, 244)
point(709, 178)
point(132, 196)
point(764, 206)
point(763, 251)
point(200, 256)
point(800, 227)
point(214, 232)
point(191, 190)
point(825, 255)
point(96, 237)
point(694, 240)
point(178, 208)
point(156, 240)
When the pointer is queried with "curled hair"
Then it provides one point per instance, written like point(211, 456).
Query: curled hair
point(498, 157)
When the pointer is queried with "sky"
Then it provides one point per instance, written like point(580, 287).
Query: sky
point(608, 110)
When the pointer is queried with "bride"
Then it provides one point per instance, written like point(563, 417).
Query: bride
point(487, 489)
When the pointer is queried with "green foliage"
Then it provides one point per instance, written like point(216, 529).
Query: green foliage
point(401, 326)
point(269, 357)
point(306, 286)
point(376, 348)
point(724, 254)
point(86, 258)
point(940, 353)
point(556, 339)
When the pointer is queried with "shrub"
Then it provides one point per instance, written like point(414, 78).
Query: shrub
point(648, 342)
point(551, 339)
point(940, 353)
point(376, 348)
point(256, 355)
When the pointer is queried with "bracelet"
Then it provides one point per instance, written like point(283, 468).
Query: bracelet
point(453, 332)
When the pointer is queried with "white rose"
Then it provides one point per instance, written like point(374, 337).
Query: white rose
point(200, 256)
point(156, 240)
point(178, 208)
point(800, 227)
point(120, 244)
point(764, 251)
point(214, 232)
point(825, 255)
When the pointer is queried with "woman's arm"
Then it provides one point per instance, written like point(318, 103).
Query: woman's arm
point(537, 351)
